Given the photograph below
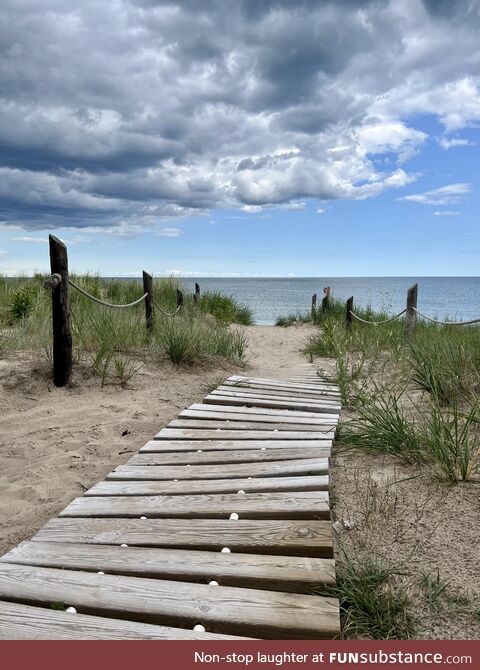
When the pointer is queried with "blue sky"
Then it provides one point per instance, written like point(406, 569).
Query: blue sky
point(170, 140)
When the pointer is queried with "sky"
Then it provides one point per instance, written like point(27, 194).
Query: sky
point(241, 138)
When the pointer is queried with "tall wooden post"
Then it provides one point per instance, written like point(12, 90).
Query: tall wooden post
point(411, 314)
point(179, 298)
point(61, 318)
point(314, 306)
point(149, 305)
point(196, 295)
point(348, 314)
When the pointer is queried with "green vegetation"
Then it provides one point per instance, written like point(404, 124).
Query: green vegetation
point(114, 342)
point(373, 604)
point(415, 400)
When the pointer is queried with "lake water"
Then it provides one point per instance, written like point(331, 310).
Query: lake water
point(456, 297)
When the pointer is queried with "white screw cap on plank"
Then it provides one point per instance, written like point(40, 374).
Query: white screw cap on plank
point(199, 628)
point(71, 610)
point(226, 550)
point(234, 516)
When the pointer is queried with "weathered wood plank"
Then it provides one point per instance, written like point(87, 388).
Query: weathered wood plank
point(165, 446)
point(287, 401)
point(227, 457)
point(293, 538)
point(238, 380)
point(215, 433)
point(235, 423)
point(294, 505)
point(282, 573)
point(221, 609)
point(319, 398)
point(244, 400)
point(317, 466)
point(146, 488)
point(24, 622)
point(201, 411)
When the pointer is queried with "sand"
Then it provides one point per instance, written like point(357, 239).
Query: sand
point(55, 443)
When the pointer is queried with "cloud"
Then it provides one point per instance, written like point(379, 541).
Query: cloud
point(33, 240)
point(170, 232)
point(446, 143)
point(319, 210)
point(118, 117)
point(446, 212)
point(446, 195)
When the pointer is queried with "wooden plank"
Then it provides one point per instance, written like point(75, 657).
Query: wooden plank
point(282, 573)
point(221, 609)
point(201, 411)
point(293, 538)
point(23, 622)
point(165, 446)
point(317, 466)
point(237, 380)
point(270, 403)
point(228, 434)
point(227, 457)
point(235, 424)
point(146, 488)
point(249, 392)
point(279, 392)
point(294, 505)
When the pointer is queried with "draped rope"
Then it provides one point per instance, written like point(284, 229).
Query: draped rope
point(103, 302)
point(376, 323)
point(164, 312)
point(446, 323)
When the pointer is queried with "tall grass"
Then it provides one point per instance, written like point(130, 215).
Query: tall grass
point(373, 605)
point(114, 342)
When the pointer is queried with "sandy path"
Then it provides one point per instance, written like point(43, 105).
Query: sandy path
point(54, 443)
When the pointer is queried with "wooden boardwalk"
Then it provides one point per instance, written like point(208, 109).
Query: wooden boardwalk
point(221, 521)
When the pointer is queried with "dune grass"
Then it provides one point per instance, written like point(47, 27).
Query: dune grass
point(114, 342)
point(379, 372)
point(372, 603)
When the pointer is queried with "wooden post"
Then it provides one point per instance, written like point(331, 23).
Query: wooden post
point(410, 314)
point(348, 315)
point(61, 319)
point(314, 306)
point(179, 298)
point(196, 295)
point(326, 298)
point(149, 304)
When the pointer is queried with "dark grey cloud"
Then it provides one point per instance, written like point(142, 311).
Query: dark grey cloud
point(123, 114)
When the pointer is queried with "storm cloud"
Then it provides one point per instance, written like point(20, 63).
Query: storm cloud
point(123, 115)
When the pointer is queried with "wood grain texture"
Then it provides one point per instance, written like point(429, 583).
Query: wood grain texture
point(165, 446)
point(280, 573)
point(221, 609)
point(24, 622)
point(258, 414)
point(292, 538)
point(271, 402)
point(235, 423)
point(147, 488)
point(317, 466)
point(289, 391)
point(281, 383)
point(272, 505)
point(250, 433)
point(227, 457)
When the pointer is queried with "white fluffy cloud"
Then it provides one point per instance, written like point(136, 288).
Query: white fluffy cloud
point(119, 116)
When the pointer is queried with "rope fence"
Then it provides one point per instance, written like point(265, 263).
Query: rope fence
point(446, 323)
point(162, 311)
point(411, 313)
point(377, 323)
point(103, 302)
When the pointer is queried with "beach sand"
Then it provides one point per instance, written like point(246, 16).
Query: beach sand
point(55, 443)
